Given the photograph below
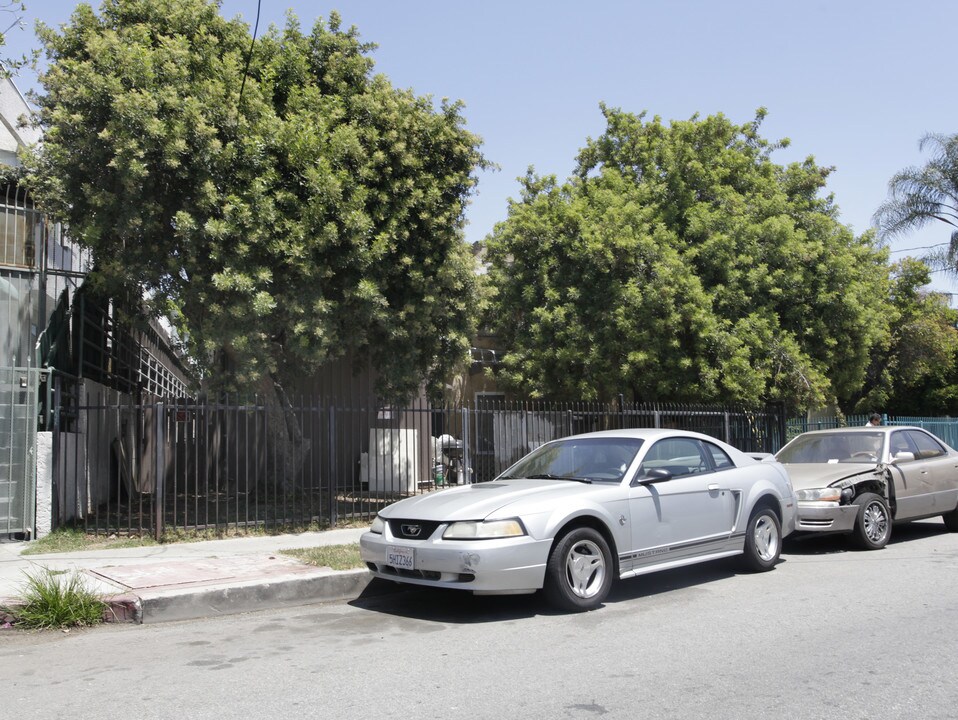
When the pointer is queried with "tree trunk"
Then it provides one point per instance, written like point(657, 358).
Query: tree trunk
point(287, 448)
point(274, 466)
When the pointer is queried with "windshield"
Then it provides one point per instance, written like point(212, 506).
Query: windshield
point(832, 448)
point(597, 459)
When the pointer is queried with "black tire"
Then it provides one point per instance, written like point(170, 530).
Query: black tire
point(763, 540)
point(873, 525)
point(951, 520)
point(579, 571)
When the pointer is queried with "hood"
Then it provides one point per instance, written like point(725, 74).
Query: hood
point(818, 475)
point(502, 498)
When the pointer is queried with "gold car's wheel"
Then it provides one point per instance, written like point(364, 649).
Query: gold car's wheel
point(579, 571)
point(873, 526)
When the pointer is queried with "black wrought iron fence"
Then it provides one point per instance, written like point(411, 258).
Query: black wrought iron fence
point(187, 465)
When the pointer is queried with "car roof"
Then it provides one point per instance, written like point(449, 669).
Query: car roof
point(641, 433)
point(862, 428)
point(652, 434)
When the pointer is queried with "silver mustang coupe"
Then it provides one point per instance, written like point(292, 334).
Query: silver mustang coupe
point(862, 480)
point(578, 512)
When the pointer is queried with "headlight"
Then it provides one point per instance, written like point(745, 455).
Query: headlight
point(484, 530)
point(377, 526)
point(829, 494)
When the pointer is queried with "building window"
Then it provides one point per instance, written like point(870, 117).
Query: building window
point(18, 230)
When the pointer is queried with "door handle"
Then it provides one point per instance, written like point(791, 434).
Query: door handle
point(713, 487)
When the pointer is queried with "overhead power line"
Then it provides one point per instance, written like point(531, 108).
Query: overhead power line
point(922, 247)
point(249, 55)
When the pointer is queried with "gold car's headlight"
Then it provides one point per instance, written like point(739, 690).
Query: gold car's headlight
point(484, 529)
point(829, 494)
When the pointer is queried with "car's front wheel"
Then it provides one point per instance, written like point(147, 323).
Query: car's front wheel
point(763, 541)
point(579, 571)
point(873, 526)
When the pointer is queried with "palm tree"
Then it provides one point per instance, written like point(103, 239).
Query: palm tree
point(919, 195)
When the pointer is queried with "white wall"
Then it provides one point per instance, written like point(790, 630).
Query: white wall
point(13, 106)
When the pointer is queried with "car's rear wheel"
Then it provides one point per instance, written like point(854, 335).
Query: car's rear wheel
point(579, 571)
point(951, 520)
point(873, 526)
point(763, 540)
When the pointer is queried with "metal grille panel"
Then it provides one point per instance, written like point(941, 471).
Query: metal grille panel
point(18, 437)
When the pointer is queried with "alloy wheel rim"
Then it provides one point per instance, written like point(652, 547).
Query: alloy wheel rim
point(875, 521)
point(585, 569)
point(766, 538)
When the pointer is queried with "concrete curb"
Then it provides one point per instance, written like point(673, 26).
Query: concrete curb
point(201, 602)
point(204, 602)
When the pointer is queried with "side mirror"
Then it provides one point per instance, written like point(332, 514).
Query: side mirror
point(655, 475)
point(903, 456)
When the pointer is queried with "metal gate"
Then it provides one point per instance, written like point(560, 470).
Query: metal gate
point(18, 456)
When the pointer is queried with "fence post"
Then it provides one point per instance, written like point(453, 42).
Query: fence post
point(781, 414)
point(728, 428)
point(159, 489)
point(56, 462)
point(465, 467)
point(331, 463)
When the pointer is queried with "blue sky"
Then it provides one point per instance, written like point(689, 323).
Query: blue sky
point(855, 83)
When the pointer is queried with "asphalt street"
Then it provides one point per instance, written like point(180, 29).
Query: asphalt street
point(830, 633)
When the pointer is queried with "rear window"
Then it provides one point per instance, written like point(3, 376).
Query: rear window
point(720, 458)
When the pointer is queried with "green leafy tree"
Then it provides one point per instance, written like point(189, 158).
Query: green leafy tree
point(919, 196)
point(283, 204)
point(681, 263)
point(913, 373)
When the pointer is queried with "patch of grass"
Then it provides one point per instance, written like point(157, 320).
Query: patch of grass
point(66, 540)
point(53, 599)
point(337, 557)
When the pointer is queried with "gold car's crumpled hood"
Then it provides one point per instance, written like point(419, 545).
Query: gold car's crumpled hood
point(818, 475)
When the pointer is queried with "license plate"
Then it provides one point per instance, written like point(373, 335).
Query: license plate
point(403, 558)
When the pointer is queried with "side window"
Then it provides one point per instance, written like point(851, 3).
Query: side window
point(899, 443)
point(927, 446)
point(720, 458)
point(680, 456)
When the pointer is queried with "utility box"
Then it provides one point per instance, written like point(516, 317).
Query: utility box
point(392, 464)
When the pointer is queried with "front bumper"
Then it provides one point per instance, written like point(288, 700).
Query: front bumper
point(491, 567)
point(826, 517)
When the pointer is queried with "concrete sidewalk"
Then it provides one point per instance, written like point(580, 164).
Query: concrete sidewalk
point(182, 581)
